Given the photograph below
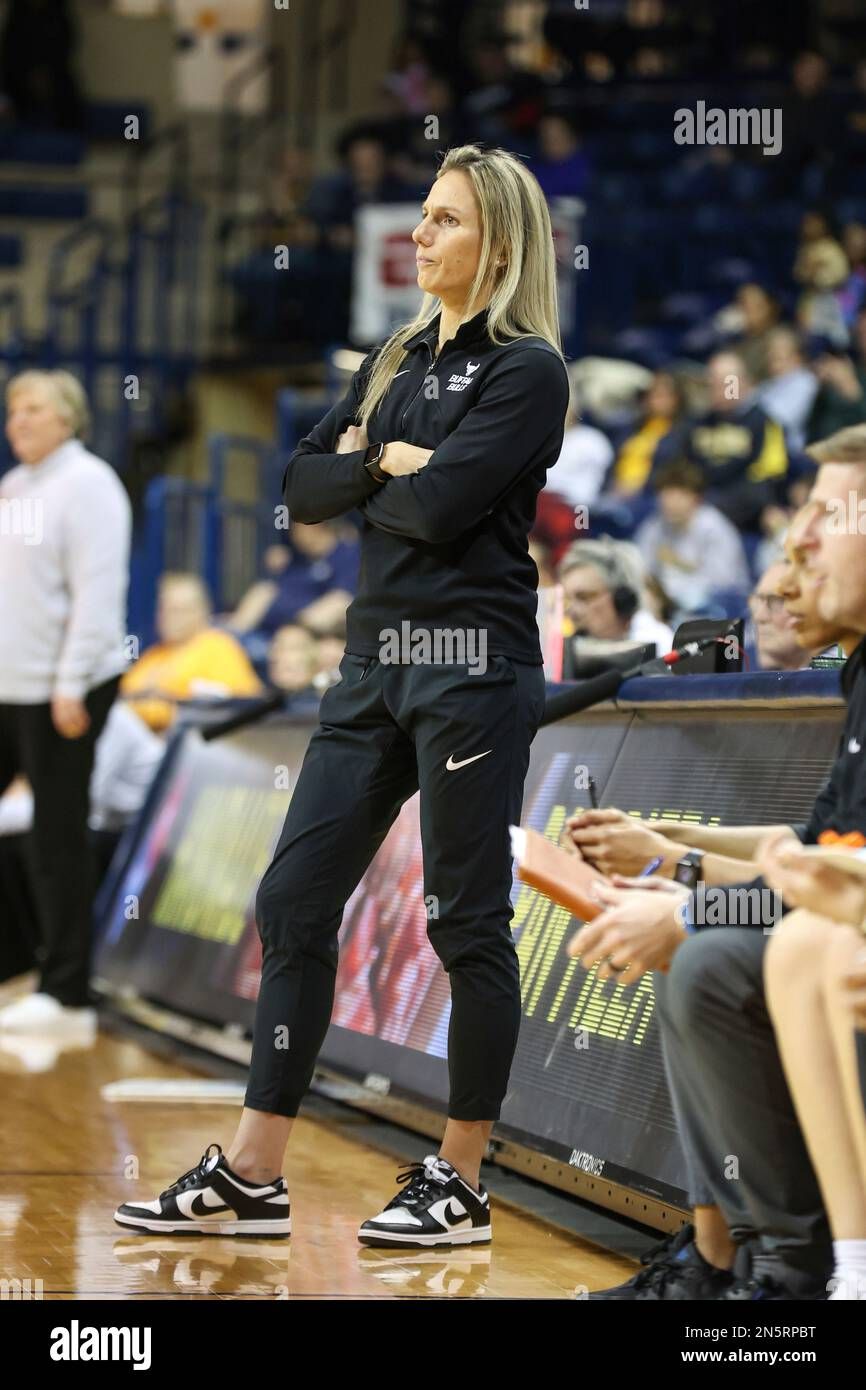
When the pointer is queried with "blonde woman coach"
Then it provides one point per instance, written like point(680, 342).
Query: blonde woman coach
point(442, 443)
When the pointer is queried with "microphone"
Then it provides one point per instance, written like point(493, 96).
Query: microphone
point(584, 693)
point(604, 687)
point(690, 649)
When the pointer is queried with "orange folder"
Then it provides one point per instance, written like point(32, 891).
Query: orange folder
point(565, 878)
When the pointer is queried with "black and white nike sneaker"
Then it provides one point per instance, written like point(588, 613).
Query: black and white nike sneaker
point(436, 1207)
point(212, 1200)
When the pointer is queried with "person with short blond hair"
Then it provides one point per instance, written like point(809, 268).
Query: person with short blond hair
point(65, 390)
point(65, 527)
point(192, 659)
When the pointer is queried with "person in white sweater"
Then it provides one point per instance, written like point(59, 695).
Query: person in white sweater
point(65, 527)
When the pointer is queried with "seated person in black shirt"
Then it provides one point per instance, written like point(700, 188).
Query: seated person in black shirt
point(748, 1155)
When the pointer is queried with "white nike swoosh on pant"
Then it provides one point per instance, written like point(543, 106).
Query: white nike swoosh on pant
point(452, 766)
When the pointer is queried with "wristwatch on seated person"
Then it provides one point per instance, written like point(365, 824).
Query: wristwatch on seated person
point(372, 459)
point(688, 870)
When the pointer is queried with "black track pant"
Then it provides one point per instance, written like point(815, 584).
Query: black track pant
point(386, 730)
point(58, 769)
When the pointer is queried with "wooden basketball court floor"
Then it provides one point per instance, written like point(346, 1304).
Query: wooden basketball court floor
point(66, 1150)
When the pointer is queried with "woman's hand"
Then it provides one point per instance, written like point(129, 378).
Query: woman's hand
point(400, 459)
point(69, 716)
point(354, 437)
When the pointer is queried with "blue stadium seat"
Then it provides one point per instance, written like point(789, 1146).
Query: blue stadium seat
point(28, 200)
point(10, 250)
point(19, 145)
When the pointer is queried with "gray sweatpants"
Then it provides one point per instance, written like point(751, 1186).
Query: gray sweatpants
point(737, 1122)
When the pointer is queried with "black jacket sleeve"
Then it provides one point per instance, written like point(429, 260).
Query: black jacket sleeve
point(519, 418)
point(825, 803)
point(319, 483)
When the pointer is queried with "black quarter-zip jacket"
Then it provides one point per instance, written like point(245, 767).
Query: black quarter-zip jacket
point(445, 547)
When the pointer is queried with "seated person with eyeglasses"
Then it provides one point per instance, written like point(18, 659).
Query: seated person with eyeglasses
point(775, 629)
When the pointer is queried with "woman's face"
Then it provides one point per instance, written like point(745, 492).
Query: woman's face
point(662, 397)
point(34, 426)
point(448, 239)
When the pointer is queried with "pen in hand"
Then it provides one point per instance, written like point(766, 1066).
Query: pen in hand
point(651, 867)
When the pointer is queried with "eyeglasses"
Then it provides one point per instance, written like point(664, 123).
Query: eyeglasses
point(772, 602)
point(584, 596)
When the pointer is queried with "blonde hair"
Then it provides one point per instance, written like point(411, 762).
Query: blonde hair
point(515, 225)
point(170, 579)
point(68, 394)
point(845, 446)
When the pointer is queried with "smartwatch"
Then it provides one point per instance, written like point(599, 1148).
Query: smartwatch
point(688, 870)
point(372, 459)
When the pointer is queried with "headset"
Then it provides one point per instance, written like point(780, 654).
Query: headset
point(621, 566)
point(625, 602)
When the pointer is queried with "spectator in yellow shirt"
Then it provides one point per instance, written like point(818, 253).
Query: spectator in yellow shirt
point(191, 660)
point(662, 407)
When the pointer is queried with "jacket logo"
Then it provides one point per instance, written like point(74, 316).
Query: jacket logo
point(853, 745)
point(456, 382)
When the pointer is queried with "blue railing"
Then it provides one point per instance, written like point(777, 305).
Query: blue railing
point(175, 532)
point(218, 529)
point(244, 525)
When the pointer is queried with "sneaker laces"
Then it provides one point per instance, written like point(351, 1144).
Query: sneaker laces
point(419, 1184)
point(195, 1174)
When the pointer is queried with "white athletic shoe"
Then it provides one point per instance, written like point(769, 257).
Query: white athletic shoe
point(434, 1207)
point(213, 1200)
point(43, 1014)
